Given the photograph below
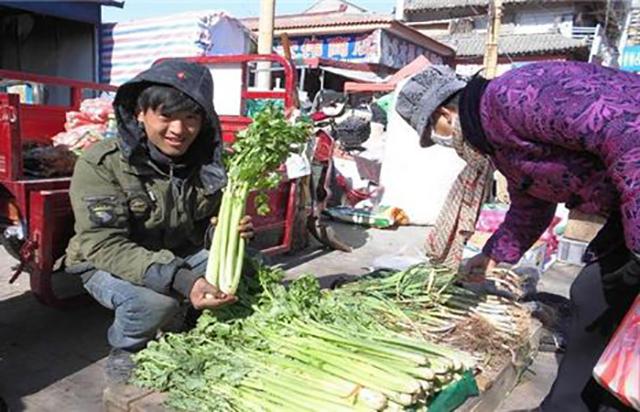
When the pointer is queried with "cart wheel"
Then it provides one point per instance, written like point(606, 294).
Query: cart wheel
point(300, 233)
point(10, 215)
point(11, 245)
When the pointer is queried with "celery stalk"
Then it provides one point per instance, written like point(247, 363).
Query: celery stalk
point(215, 251)
point(232, 241)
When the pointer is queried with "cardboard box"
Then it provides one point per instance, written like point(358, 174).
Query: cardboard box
point(583, 227)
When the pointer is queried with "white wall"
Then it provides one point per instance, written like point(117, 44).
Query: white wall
point(332, 5)
point(472, 69)
point(536, 18)
point(227, 88)
point(415, 179)
point(543, 19)
point(434, 32)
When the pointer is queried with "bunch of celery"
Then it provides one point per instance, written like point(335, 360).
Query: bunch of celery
point(425, 301)
point(258, 152)
point(296, 352)
point(428, 297)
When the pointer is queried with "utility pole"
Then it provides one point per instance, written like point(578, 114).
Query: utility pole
point(265, 42)
point(493, 33)
point(490, 70)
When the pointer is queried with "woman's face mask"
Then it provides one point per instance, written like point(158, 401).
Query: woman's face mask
point(443, 133)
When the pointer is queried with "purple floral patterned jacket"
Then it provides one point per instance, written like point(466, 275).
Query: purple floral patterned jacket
point(563, 132)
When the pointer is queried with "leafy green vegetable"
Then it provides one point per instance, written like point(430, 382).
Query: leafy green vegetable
point(258, 152)
point(367, 346)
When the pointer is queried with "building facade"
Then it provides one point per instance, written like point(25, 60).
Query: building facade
point(530, 30)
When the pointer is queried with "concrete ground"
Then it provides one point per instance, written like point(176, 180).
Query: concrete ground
point(51, 360)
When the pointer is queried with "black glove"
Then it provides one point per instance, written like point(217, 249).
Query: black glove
point(627, 275)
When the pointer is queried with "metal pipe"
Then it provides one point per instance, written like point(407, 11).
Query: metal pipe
point(303, 75)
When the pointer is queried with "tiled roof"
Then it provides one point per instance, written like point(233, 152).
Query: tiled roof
point(425, 5)
point(330, 19)
point(473, 44)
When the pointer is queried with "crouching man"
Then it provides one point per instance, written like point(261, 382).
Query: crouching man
point(143, 203)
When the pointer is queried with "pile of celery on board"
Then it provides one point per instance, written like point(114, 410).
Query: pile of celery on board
point(256, 156)
point(426, 301)
point(370, 345)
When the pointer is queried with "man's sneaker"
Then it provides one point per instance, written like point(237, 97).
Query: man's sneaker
point(119, 366)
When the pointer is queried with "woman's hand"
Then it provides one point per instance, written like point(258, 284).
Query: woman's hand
point(476, 268)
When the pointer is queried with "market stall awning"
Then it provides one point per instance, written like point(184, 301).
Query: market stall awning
point(357, 75)
point(390, 82)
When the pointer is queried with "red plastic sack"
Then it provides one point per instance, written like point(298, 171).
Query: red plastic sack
point(80, 138)
point(92, 111)
point(76, 119)
point(97, 110)
point(618, 369)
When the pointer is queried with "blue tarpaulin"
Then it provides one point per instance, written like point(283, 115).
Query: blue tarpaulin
point(630, 60)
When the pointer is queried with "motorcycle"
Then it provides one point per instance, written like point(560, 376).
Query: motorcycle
point(336, 128)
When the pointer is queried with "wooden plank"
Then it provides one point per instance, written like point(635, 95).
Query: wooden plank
point(153, 402)
point(119, 398)
point(495, 392)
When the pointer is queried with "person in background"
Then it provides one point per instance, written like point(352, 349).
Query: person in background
point(560, 132)
point(143, 203)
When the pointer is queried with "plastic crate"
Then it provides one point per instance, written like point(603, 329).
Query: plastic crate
point(571, 251)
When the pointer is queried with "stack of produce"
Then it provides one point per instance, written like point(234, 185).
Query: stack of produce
point(431, 302)
point(86, 126)
point(82, 129)
point(370, 345)
point(45, 161)
point(426, 301)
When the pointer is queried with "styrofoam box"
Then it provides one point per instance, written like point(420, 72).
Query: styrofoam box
point(534, 257)
point(571, 251)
